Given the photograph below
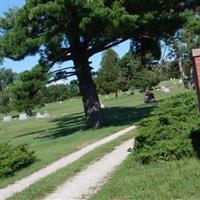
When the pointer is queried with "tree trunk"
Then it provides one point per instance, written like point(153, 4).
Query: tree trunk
point(116, 94)
point(92, 107)
point(88, 92)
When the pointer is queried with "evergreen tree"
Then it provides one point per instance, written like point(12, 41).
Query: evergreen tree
point(108, 75)
point(7, 76)
point(27, 92)
point(58, 92)
point(75, 30)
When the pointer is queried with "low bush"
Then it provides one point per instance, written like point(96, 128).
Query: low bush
point(171, 132)
point(14, 158)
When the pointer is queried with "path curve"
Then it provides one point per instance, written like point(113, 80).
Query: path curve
point(24, 183)
point(88, 181)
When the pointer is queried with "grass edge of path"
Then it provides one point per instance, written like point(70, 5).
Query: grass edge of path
point(48, 184)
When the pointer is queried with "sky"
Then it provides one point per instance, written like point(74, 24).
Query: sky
point(29, 62)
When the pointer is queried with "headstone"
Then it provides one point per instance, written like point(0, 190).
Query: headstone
point(23, 116)
point(42, 115)
point(102, 105)
point(7, 118)
point(196, 69)
point(165, 89)
point(180, 81)
point(46, 114)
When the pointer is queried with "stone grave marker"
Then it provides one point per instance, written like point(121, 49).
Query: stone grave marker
point(23, 116)
point(7, 118)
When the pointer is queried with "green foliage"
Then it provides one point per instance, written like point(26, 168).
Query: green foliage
point(78, 29)
point(27, 92)
point(57, 92)
point(108, 75)
point(58, 29)
point(73, 88)
point(4, 102)
point(14, 158)
point(133, 75)
point(167, 133)
point(7, 77)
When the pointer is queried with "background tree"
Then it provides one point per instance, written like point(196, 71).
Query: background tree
point(133, 75)
point(182, 43)
point(108, 75)
point(5, 102)
point(126, 70)
point(7, 77)
point(77, 29)
point(73, 88)
point(59, 92)
point(27, 92)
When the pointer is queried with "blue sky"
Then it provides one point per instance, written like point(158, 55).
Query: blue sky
point(29, 62)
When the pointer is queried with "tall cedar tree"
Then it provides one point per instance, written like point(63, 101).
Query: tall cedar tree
point(75, 30)
point(108, 75)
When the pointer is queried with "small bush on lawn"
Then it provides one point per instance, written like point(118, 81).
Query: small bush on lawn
point(167, 133)
point(14, 158)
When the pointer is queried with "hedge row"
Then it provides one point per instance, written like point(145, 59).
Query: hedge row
point(171, 132)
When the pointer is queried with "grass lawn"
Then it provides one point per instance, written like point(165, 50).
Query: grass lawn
point(64, 132)
point(158, 181)
point(48, 184)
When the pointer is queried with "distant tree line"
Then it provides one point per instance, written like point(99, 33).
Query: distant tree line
point(28, 90)
point(127, 73)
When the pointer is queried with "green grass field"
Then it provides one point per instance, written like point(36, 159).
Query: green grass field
point(158, 181)
point(48, 184)
point(64, 132)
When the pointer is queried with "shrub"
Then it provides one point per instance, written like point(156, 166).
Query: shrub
point(168, 133)
point(14, 158)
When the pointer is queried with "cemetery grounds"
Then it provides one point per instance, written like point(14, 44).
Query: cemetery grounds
point(63, 133)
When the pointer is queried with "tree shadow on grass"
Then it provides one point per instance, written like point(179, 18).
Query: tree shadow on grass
point(114, 116)
point(117, 116)
point(65, 126)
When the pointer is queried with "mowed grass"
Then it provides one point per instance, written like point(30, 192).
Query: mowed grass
point(157, 181)
point(64, 132)
point(49, 184)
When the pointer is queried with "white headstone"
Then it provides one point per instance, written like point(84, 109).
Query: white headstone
point(39, 115)
point(7, 118)
point(46, 114)
point(165, 89)
point(42, 114)
point(102, 105)
point(180, 81)
point(23, 116)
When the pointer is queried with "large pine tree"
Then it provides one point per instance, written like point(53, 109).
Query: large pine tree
point(62, 30)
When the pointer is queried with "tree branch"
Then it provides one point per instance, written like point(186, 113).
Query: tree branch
point(103, 47)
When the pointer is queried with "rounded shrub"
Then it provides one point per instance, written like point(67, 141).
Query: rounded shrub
point(14, 158)
point(168, 133)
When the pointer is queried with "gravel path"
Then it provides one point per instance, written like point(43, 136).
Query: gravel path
point(87, 182)
point(22, 184)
